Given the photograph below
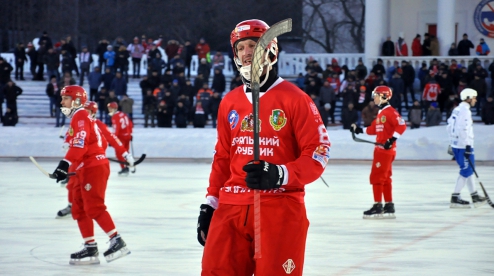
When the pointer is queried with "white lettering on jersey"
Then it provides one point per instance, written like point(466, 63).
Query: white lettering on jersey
point(241, 190)
point(323, 134)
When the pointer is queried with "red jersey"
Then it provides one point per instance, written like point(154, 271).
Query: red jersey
point(431, 90)
point(291, 134)
point(111, 138)
point(387, 124)
point(401, 50)
point(86, 146)
point(122, 125)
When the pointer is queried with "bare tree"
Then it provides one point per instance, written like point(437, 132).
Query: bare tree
point(88, 21)
point(334, 25)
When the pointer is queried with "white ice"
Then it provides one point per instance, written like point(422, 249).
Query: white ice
point(156, 210)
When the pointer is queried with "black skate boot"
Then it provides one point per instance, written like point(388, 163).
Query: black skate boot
point(87, 256)
point(478, 200)
point(124, 172)
point(65, 212)
point(389, 210)
point(376, 212)
point(117, 250)
point(457, 202)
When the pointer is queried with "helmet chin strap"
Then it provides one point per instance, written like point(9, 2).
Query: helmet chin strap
point(245, 71)
point(69, 111)
point(381, 101)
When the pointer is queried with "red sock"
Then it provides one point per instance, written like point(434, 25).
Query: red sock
point(377, 189)
point(105, 221)
point(86, 227)
point(387, 191)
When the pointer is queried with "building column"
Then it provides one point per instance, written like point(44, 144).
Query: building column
point(445, 25)
point(376, 26)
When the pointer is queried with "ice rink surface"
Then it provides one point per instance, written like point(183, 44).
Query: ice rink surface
point(156, 210)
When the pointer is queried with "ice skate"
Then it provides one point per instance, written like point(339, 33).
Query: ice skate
point(124, 172)
point(65, 212)
point(118, 249)
point(389, 210)
point(87, 256)
point(376, 212)
point(478, 200)
point(457, 202)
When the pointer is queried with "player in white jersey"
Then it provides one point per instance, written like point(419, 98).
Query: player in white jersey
point(460, 130)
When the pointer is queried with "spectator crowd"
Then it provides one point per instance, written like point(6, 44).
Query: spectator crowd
point(170, 97)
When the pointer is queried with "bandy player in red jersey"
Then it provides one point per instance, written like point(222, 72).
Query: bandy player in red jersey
point(109, 138)
point(121, 152)
point(294, 150)
point(87, 153)
point(388, 126)
point(123, 130)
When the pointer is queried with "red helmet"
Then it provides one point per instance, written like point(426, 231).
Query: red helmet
point(113, 105)
point(383, 91)
point(252, 28)
point(76, 92)
point(91, 106)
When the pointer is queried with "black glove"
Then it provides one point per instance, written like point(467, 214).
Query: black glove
point(389, 143)
point(468, 152)
point(357, 130)
point(263, 175)
point(203, 222)
point(61, 171)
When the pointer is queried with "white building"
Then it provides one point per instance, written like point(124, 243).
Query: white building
point(447, 19)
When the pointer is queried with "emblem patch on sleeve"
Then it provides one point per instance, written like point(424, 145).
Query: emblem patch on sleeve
point(78, 142)
point(321, 155)
point(401, 121)
point(233, 119)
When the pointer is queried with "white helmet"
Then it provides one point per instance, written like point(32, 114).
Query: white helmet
point(467, 93)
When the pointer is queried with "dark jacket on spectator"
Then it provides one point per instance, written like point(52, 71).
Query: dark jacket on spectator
point(5, 69)
point(415, 115)
point(181, 113)
point(119, 85)
point(10, 118)
point(488, 113)
point(348, 117)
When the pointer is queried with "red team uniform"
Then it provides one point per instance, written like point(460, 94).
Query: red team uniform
point(86, 156)
point(123, 130)
point(294, 140)
point(388, 126)
point(109, 138)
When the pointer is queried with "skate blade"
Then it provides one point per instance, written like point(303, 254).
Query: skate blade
point(479, 204)
point(379, 216)
point(123, 175)
point(85, 261)
point(117, 255)
point(62, 217)
point(389, 216)
point(459, 206)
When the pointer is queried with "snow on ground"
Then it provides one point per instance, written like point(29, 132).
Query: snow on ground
point(418, 144)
